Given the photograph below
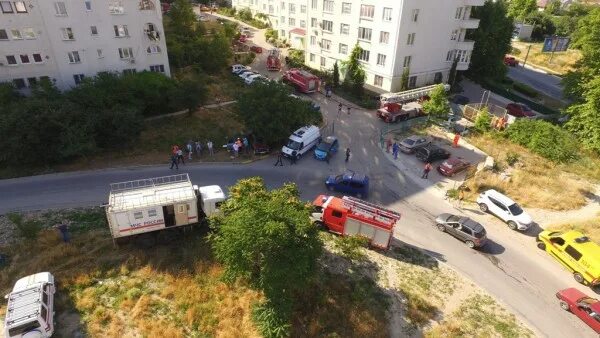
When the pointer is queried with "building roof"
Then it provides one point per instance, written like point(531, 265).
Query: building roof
point(298, 31)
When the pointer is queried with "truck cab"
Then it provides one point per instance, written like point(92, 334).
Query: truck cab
point(210, 198)
point(30, 310)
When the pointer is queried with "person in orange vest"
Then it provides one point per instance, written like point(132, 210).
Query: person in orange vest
point(456, 139)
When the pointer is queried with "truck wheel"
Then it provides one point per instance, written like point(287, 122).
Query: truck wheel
point(319, 224)
point(564, 306)
point(579, 278)
point(483, 207)
point(470, 244)
point(541, 245)
point(512, 225)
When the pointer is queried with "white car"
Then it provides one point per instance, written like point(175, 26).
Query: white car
point(238, 68)
point(247, 75)
point(505, 208)
point(252, 78)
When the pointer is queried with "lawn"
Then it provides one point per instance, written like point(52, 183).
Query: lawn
point(560, 63)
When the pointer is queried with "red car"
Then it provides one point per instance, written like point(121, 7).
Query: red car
point(511, 61)
point(256, 49)
point(584, 307)
point(452, 166)
point(243, 38)
point(519, 110)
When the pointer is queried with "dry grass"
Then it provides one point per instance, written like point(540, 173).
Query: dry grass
point(535, 182)
point(589, 227)
point(561, 62)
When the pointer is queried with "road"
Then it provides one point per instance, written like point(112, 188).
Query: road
point(510, 267)
point(546, 83)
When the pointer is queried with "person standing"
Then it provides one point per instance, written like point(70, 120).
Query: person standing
point(180, 156)
point(246, 145)
point(199, 148)
point(63, 228)
point(279, 160)
point(209, 145)
point(348, 110)
point(456, 139)
point(426, 170)
point(174, 162)
point(347, 154)
point(395, 150)
point(388, 145)
point(461, 197)
point(339, 109)
point(294, 157)
point(190, 149)
point(236, 149)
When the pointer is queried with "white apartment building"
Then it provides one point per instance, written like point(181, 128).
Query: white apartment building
point(422, 35)
point(69, 40)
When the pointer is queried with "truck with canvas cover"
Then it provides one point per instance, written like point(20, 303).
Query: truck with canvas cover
point(152, 204)
point(349, 216)
point(304, 81)
point(274, 60)
point(392, 112)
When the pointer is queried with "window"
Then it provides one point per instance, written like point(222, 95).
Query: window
point(302, 8)
point(346, 7)
point(16, 34)
point(19, 83)
point(407, 60)
point(137, 214)
point(74, 57)
point(116, 7)
point(126, 53)
point(313, 40)
point(364, 33)
point(94, 30)
point(415, 15)
point(458, 13)
point(157, 68)
point(20, 7)
point(282, 6)
point(6, 7)
point(292, 22)
point(121, 31)
point(323, 61)
point(100, 53)
point(343, 49)
point(411, 39)
point(37, 57)
point(557, 240)
point(313, 22)
point(336, 213)
point(327, 26)
point(387, 14)
point(45, 295)
point(127, 72)
point(3, 34)
point(381, 59)
point(271, 10)
point(454, 34)
point(67, 34)
point(451, 55)
point(344, 29)
point(60, 8)
point(412, 82)
point(378, 81)
point(24, 58)
point(303, 23)
point(11, 59)
point(367, 11)
point(88, 5)
point(311, 57)
point(314, 4)
point(384, 37)
point(573, 252)
point(282, 19)
point(28, 33)
point(326, 44)
point(327, 6)
point(292, 9)
point(151, 212)
point(364, 55)
point(154, 49)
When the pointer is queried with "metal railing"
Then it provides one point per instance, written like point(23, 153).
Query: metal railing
point(148, 183)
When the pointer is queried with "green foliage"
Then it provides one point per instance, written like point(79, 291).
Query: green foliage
point(543, 25)
point(404, 79)
point(512, 158)
point(585, 116)
point(189, 92)
point(553, 7)
point(483, 122)
point(244, 14)
point(545, 139)
point(295, 58)
point(8, 93)
point(492, 40)
point(350, 247)
point(336, 74)
point(266, 238)
point(520, 9)
point(269, 112)
point(525, 89)
point(437, 105)
point(354, 72)
point(271, 33)
point(27, 229)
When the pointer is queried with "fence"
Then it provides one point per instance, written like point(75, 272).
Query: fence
point(402, 127)
point(499, 115)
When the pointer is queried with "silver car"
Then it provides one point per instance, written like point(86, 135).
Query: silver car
point(412, 143)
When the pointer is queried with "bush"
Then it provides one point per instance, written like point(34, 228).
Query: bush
point(525, 89)
point(512, 158)
point(28, 229)
point(517, 98)
point(544, 139)
point(350, 246)
point(483, 122)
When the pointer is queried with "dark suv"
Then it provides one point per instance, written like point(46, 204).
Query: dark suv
point(432, 153)
point(463, 228)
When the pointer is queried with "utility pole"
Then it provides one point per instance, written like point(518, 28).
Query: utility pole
point(526, 55)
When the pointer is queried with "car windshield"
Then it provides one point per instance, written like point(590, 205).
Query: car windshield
point(294, 145)
point(452, 218)
point(324, 146)
point(515, 209)
point(339, 178)
point(408, 141)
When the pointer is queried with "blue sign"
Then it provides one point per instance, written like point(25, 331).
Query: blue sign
point(556, 44)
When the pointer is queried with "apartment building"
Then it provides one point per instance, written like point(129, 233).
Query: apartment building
point(423, 36)
point(67, 41)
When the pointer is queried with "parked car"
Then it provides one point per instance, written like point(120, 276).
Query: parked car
point(350, 183)
point(432, 153)
point(510, 61)
point(243, 38)
point(246, 75)
point(584, 307)
point(244, 71)
point(326, 148)
point(412, 143)
point(236, 69)
point(453, 166)
point(250, 79)
point(459, 99)
point(256, 49)
point(519, 110)
point(463, 228)
point(260, 147)
point(505, 208)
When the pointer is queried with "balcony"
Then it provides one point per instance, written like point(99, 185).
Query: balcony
point(474, 2)
point(465, 45)
point(469, 23)
point(462, 66)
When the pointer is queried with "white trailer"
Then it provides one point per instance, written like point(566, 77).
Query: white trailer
point(152, 204)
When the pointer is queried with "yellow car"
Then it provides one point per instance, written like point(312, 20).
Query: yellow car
point(575, 251)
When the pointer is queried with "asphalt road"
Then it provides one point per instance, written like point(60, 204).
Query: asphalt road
point(546, 83)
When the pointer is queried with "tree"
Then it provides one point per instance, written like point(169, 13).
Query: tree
point(437, 105)
point(483, 122)
point(519, 9)
point(268, 112)
point(266, 238)
point(189, 92)
point(404, 79)
point(336, 74)
point(354, 73)
point(585, 116)
point(492, 41)
point(542, 25)
point(553, 7)
point(182, 19)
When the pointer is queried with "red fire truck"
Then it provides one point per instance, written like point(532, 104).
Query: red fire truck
point(392, 112)
point(350, 216)
point(273, 60)
point(304, 81)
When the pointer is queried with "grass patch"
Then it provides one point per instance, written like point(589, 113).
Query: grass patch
point(590, 227)
point(351, 247)
point(561, 62)
point(534, 182)
point(480, 316)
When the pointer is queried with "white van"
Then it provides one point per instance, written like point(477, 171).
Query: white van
point(301, 141)
point(30, 310)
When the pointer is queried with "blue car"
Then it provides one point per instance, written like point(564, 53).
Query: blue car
point(326, 148)
point(350, 183)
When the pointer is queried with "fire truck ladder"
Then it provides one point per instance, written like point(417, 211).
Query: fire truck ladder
point(410, 95)
point(370, 210)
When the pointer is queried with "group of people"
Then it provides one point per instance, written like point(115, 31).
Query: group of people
point(239, 145)
point(177, 153)
point(340, 106)
point(395, 148)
